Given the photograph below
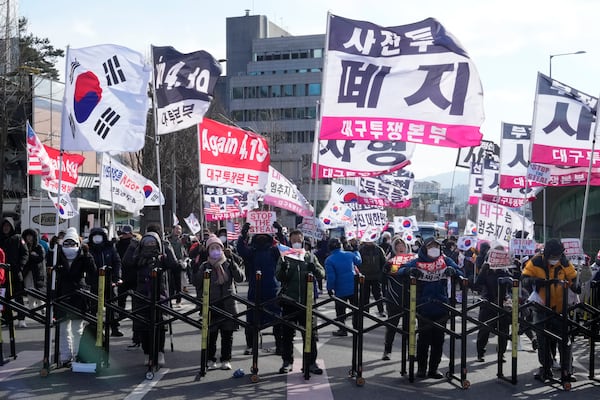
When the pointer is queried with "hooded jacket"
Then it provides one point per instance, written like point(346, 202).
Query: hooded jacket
point(14, 247)
point(339, 269)
point(105, 254)
point(373, 261)
point(35, 262)
point(71, 276)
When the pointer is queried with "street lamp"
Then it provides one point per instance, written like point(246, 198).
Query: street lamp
point(561, 54)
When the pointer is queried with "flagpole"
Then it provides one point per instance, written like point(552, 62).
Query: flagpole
point(202, 216)
point(112, 203)
point(531, 141)
point(316, 150)
point(589, 177)
point(157, 143)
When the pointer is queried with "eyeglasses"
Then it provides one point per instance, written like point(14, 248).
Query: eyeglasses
point(69, 243)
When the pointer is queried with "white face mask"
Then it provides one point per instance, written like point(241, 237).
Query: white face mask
point(70, 252)
point(223, 239)
point(433, 252)
point(297, 245)
point(97, 239)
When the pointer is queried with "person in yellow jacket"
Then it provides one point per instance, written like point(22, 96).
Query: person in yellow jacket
point(543, 273)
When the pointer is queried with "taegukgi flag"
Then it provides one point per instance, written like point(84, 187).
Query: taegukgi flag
point(412, 83)
point(183, 87)
point(192, 222)
point(64, 206)
point(106, 99)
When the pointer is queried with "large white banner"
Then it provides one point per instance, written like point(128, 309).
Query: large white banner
point(496, 223)
point(127, 185)
point(388, 190)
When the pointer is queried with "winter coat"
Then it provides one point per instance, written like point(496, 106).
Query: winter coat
point(292, 273)
point(128, 270)
point(431, 293)
point(487, 283)
point(339, 269)
point(537, 268)
point(373, 261)
point(105, 255)
point(35, 262)
point(16, 252)
point(72, 277)
point(220, 294)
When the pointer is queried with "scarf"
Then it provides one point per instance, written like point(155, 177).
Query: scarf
point(217, 267)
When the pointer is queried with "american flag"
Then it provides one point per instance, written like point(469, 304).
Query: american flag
point(38, 161)
point(233, 230)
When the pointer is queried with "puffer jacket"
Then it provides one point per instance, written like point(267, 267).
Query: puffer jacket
point(373, 261)
point(293, 276)
point(35, 262)
point(538, 269)
point(339, 269)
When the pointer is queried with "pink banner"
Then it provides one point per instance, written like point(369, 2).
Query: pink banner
point(432, 133)
point(543, 154)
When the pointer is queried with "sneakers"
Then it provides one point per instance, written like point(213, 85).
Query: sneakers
point(542, 375)
point(248, 351)
point(340, 333)
point(421, 374)
point(225, 365)
point(315, 369)
point(161, 359)
point(386, 356)
point(212, 365)
point(285, 368)
point(480, 358)
point(435, 375)
point(116, 333)
point(22, 323)
point(534, 344)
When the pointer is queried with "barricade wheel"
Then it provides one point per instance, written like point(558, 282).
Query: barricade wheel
point(254, 378)
point(466, 384)
point(254, 370)
point(149, 375)
point(44, 372)
point(360, 381)
point(567, 386)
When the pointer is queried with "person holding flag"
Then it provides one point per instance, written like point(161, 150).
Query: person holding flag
point(292, 271)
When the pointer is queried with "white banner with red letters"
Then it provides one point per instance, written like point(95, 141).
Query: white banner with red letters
point(282, 193)
point(231, 157)
point(125, 183)
point(412, 83)
point(496, 223)
point(387, 190)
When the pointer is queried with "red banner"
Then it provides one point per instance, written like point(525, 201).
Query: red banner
point(70, 165)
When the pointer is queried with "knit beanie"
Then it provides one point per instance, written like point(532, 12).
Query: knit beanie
point(213, 239)
point(72, 234)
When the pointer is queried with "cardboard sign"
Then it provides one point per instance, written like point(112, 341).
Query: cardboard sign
point(261, 221)
point(499, 259)
point(522, 247)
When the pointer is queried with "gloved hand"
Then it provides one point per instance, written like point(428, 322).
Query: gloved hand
point(277, 226)
point(415, 272)
point(449, 271)
point(576, 289)
point(310, 267)
point(227, 252)
point(245, 229)
point(330, 292)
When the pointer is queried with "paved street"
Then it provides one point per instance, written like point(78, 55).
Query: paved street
point(125, 379)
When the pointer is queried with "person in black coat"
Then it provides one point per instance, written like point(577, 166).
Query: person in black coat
point(74, 265)
point(34, 273)
point(16, 257)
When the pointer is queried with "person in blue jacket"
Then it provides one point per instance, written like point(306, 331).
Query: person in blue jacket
point(339, 271)
point(432, 269)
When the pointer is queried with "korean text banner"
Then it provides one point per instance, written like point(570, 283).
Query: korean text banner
point(563, 126)
point(388, 190)
point(349, 158)
point(231, 157)
point(183, 86)
point(411, 83)
point(514, 160)
point(496, 223)
point(126, 185)
point(282, 193)
point(70, 174)
point(491, 191)
point(106, 99)
point(224, 203)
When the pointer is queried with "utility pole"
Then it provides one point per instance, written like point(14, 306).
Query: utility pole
point(4, 133)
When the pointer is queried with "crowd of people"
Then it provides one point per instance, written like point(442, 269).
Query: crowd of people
point(280, 263)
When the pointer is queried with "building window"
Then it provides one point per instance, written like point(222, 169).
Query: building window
point(276, 91)
point(288, 90)
point(251, 92)
point(288, 113)
point(317, 53)
point(311, 112)
point(263, 92)
point(314, 89)
point(301, 89)
point(300, 113)
point(237, 115)
point(238, 93)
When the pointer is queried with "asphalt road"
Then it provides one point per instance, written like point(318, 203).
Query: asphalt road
point(178, 379)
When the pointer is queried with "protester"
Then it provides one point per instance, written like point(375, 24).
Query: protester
point(431, 269)
point(224, 271)
point(394, 293)
point(34, 272)
point(292, 272)
point(261, 254)
point(340, 269)
point(17, 255)
point(128, 271)
point(373, 261)
point(106, 256)
point(543, 274)
point(176, 274)
point(74, 265)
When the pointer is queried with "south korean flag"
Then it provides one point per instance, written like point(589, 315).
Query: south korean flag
point(105, 102)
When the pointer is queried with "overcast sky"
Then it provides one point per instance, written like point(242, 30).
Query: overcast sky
point(509, 40)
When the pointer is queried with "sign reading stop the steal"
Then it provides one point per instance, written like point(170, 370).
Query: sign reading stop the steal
point(261, 221)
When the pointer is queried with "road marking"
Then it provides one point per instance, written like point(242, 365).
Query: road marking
point(25, 359)
point(140, 390)
point(316, 388)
